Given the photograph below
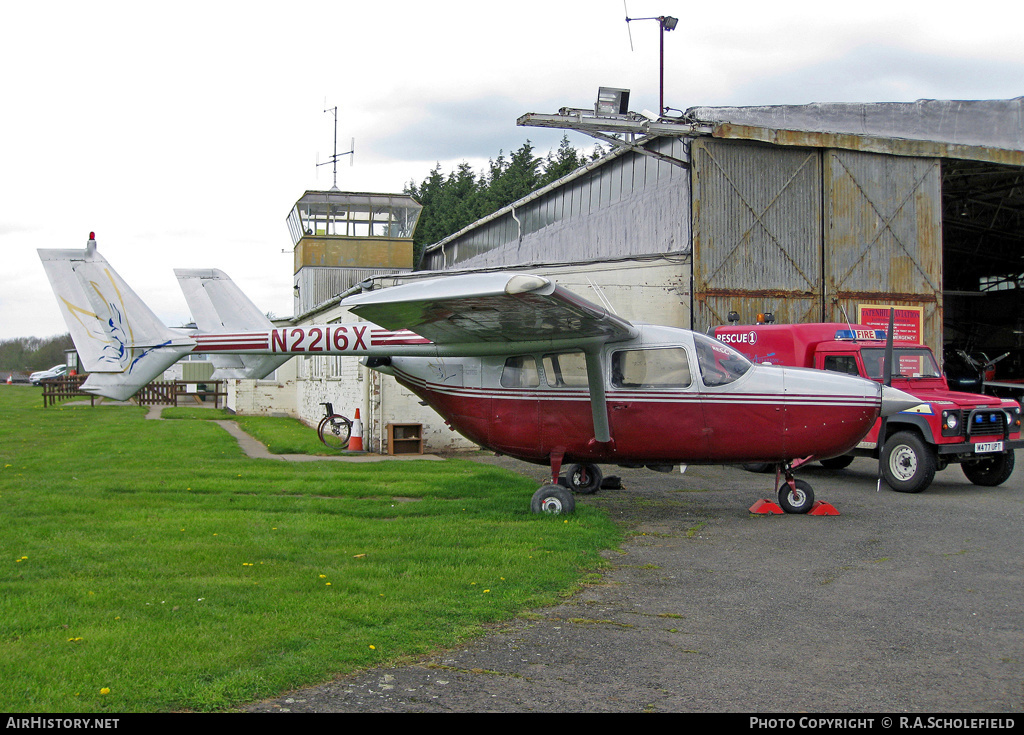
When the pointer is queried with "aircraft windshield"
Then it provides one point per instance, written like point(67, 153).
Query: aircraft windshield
point(719, 363)
point(906, 363)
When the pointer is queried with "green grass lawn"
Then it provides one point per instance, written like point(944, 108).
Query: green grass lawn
point(150, 566)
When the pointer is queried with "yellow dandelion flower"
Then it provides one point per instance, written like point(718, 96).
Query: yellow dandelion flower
point(373, 647)
point(105, 690)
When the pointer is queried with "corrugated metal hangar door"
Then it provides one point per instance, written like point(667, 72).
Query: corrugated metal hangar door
point(883, 244)
point(802, 231)
point(756, 232)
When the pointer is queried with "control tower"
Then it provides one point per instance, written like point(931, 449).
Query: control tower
point(341, 238)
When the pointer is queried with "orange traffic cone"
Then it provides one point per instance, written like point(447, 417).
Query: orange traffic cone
point(355, 442)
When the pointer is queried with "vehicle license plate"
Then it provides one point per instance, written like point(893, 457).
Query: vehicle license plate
point(983, 447)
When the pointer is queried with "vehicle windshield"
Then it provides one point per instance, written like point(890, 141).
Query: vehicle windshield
point(719, 363)
point(906, 363)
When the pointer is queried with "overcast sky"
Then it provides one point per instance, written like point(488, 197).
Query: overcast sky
point(183, 133)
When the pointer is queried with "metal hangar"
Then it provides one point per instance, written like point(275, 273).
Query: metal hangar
point(805, 212)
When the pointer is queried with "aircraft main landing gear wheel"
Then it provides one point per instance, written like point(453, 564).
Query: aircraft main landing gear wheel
point(584, 479)
point(798, 499)
point(553, 499)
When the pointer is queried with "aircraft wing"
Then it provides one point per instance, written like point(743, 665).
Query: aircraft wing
point(499, 308)
point(502, 313)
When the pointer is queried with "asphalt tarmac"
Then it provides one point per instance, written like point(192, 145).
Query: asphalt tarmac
point(900, 604)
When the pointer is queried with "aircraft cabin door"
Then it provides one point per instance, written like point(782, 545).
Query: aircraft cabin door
point(735, 422)
point(654, 406)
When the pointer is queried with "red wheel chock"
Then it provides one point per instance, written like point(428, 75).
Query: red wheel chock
point(767, 507)
point(821, 508)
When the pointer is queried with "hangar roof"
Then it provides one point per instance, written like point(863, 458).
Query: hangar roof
point(980, 143)
point(988, 123)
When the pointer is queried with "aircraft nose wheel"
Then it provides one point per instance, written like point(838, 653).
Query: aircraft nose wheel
point(796, 498)
point(553, 499)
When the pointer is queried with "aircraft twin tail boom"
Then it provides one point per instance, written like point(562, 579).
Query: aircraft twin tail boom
point(512, 361)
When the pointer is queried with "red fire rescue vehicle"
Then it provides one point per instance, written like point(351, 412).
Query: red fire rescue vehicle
point(979, 432)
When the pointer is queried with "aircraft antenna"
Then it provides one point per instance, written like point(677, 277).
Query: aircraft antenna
point(335, 156)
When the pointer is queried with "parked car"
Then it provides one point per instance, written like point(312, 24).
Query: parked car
point(57, 371)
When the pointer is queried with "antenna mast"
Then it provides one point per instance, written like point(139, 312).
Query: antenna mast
point(335, 156)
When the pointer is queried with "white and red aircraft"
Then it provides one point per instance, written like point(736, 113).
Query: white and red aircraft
point(512, 361)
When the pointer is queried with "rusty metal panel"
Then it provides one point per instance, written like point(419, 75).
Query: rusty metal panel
point(871, 144)
point(883, 244)
point(757, 232)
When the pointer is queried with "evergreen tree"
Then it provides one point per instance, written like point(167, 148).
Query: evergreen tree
point(452, 202)
point(562, 162)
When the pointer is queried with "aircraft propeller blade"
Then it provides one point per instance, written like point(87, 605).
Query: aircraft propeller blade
point(886, 383)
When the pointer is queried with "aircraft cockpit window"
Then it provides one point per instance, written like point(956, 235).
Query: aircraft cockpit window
point(719, 363)
point(520, 372)
point(566, 370)
point(651, 369)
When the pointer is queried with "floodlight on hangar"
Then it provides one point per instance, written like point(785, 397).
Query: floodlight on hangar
point(612, 101)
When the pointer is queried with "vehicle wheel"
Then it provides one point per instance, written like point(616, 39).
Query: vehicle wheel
point(584, 479)
point(334, 431)
point(837, 463)
point(992, 471)
point(760, 467)
point(908, 464)
point(553, 499)
point(796, 501)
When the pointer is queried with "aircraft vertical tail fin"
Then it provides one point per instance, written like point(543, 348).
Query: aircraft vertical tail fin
point(219, 306)
point(120, 341)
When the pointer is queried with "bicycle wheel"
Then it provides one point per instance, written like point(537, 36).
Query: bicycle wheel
point(334, 431)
